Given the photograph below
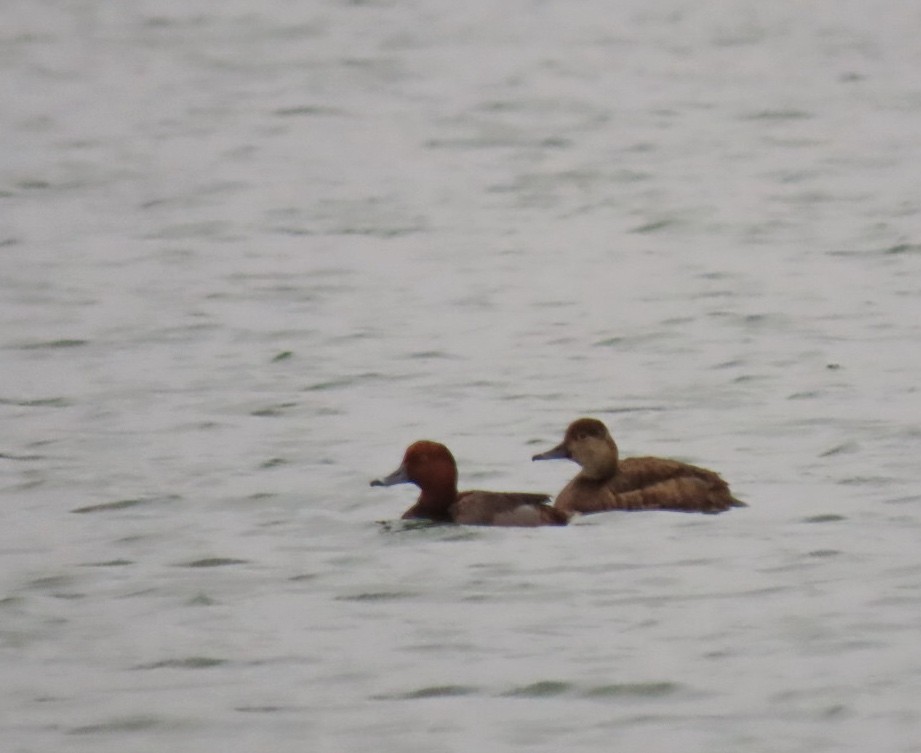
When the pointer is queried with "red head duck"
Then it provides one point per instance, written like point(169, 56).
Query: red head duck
point(431, 467)
point(605, 482)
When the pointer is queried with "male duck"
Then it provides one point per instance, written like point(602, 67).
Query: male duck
point(431, 467)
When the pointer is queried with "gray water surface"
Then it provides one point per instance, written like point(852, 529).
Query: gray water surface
point(250, 250)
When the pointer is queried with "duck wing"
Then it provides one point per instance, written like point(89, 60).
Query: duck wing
point(682, 494)
point(478, 508)
point(638, 473)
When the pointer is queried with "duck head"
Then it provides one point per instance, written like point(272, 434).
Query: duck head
point(588, 443)
point(428, 465)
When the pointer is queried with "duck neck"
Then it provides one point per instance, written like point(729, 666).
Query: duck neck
point(435, 502)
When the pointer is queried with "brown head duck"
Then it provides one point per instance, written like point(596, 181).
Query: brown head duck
point(431, 467)
point(605, 482)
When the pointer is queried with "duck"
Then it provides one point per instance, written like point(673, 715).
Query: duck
point(431, 466)
point(605, 482)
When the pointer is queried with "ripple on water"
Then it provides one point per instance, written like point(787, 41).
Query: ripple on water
point(268, 709)
point(124, 504)
point(50, 583)
point(190, 662)
point(544, 689)
point(634, 690)
point(540, 689)
point(550, 688)
point(827, 518)
point(377, 596)
point(53, 344)
point(39, 402)
point(139, 723)
point(431, 691)
point(430, 530)
point(271, 411)
point(214, 562)
point(914, 498)
point(201, 600)
point(110, 563)
point(844, 448)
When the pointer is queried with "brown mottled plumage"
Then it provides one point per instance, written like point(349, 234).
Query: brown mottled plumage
point(607, 483)
point(431, 467)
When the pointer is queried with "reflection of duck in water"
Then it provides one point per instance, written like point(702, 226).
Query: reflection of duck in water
point(607, 483)
point(431, 467)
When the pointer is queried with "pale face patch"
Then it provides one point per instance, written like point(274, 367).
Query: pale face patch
point(596, 455)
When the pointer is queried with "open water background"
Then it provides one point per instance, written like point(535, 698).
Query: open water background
point(250, 250)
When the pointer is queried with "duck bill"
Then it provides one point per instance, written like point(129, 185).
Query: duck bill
point(399, 476)
point(557, 453)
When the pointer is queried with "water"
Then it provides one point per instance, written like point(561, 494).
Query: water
point(249, 252)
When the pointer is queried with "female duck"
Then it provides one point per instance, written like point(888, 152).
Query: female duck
point(431, 467)
point(607, 483)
